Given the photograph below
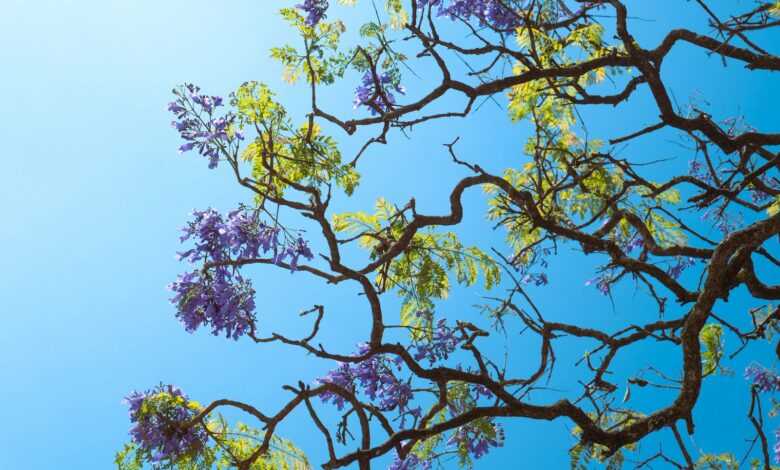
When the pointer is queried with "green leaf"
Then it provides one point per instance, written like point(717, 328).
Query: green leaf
point(717, 462)
point(712, 343)
point(775, 207)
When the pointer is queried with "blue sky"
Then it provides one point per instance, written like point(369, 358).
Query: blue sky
point(93, 193)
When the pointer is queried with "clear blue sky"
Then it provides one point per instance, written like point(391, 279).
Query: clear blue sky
point(93, 192)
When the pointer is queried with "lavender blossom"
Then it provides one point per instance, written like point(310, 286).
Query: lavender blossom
point(375, 378)
point(367, 94)
point(199, 127)
point(538, 279)
point(777, 445)
point(757, 195)
point(602, 283)
point(411, 462)
point(635, 242)
point(314, 9)
point(699, 171)
point(341, 376)
point(492, 13)
point(225, 301)
point(723, 221)
point(219, 296)
point(442, 343)
point(475, 441)
point(680, 265)
point(763, 379)
point(294, 252)
point(162, 423)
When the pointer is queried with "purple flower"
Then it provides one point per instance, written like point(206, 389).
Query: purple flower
point(162, 426)
point(186, 147)
point(176, 109)
point(197, 125)
point(493, 13)
point(699, 171)
point(218, 296)
point(723, 221)
point(763, 379)
point(242, 235)
point(368, 94)
point(474, 440)
point(777, 445)
point(224, 300)
point(539, 279)
point(294, 252)
point(207, 103)
point(481, 390)
point(602, 283)
point(758, 196)
point(314, 9)
point(411, 462)
point(341, 376)
point(636, 242)
point(681, 265)
point(375, 378)
point(442, 343)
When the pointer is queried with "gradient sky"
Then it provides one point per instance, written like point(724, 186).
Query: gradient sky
point(93, 193)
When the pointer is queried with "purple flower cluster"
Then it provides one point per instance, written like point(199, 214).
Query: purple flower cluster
point(342, 376)
point(777, 445)
point(411, 462)
point(481, 391)
point(493, 13)
point(763, 379)
point(368, 95)
point(241, 235)
point(602, 283)
point(197, 124)
point(223, 300)
point(477, 437)
point(475, 441)
point(722, 220)
point(219, 296)
point(160, 420)
point(537, 279)
point(758, 196)
point(680, 265)
point(294, 251)
point(699, 171)
point(442, 343)
point(314, 9)
point(633, 243)
point(375, 378)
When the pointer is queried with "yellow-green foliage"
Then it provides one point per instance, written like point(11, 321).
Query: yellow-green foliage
point(426, 449)
point(281, 154)
point(775, 207)
point(237, 442)
point(711, 338)
point(421, 274)
point(324, 37)
point(717, 462)
point(241, 441)
point(598, 191)
point(558, 152)
point(774, 10)
point(398, 15)
point(536, 96)
point(581, 455)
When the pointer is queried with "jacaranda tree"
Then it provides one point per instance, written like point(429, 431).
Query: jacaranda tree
point(688, 236)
